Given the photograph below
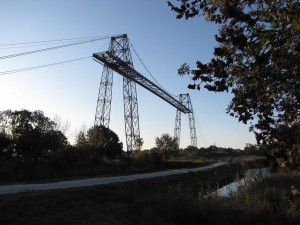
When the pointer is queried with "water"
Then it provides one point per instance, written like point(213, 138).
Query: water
point(250, 177)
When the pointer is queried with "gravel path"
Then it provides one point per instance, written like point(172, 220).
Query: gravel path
point(11, 189)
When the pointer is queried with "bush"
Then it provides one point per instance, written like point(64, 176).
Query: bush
point(149, 159)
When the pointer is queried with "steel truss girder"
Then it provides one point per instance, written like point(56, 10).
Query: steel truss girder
point(119, 47)
point(125, 69)
point(185, 100)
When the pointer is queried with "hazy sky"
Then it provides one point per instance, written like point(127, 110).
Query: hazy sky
point(70, 90)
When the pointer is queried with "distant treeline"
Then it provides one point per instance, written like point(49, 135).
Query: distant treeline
point(33, 147)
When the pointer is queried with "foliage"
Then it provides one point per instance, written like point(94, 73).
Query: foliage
point(105, 140)
point(139, 143)
point(5, 146)
point(27, 134)
point(286, 146)
point(167, 145)
point(81, 139)
point(192, 152)
point(250, 149)
point(150, 158)
point(257, 59)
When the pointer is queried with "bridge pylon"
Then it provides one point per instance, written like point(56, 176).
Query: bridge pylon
point(119, 47)
point(185, 100)
point(118, 59)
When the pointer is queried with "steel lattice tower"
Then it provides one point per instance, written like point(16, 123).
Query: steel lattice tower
point(118, 59)
point(102, 116)
point(185, 100)
point(119, 47)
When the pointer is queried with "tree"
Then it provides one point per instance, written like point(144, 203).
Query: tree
point(257, 59)
point(139, 143)
point(55, 140)
point(192, 152)
point(5, 146)
point(166, 145)
point(30, 133)
point(105, 140)
point(81, 139)
point(250, 149)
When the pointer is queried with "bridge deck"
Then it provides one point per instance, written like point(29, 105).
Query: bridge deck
point(126, 70)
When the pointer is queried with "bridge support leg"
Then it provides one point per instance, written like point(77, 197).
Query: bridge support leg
point(185, 100)
point(131, 114)
point(102, 116)
point(119, 46)
point(177, 126)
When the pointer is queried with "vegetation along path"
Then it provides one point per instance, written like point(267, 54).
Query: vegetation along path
point(11, 189)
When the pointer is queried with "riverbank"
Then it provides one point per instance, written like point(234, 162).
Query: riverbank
point(18, 173)
point(135, 202)
point(176, 200)
point(251, 176)
point(273, 200)
point(19, 188)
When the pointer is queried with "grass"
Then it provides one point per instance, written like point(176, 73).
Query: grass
point(125, 203)
point(269, 201)
point(176, 200)
point(17, 172)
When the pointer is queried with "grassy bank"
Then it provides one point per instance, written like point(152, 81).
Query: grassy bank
point(14, 172)
point(166, 200)
point(135, 202)
point(271, 201)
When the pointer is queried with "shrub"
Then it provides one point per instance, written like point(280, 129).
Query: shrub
point(149, 159)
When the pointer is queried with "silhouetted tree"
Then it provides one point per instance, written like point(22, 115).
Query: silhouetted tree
point(192, 152)
point(257, 59)
point(139, 143)
point(5, 146)
point(55, 140)
point(250, 149)
point(81, 140)
point(167, 145)
point(286, 146)
point(31, 133)
point(104, 140)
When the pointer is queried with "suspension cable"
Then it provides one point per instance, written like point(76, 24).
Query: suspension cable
point(41, 66)
point(55, 41)
point(51, 48)
point(148, 70)
point(199, 129)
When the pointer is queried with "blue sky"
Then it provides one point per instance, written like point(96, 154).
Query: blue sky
point(70, 90)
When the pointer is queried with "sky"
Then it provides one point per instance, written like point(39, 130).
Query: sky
point(70, 90)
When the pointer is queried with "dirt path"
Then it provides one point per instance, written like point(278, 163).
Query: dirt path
point(11, 189)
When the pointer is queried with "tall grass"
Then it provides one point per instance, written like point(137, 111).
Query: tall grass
point(273, 200)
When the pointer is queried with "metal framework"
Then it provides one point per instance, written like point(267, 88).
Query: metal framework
point(127, 70)
point(102, 116)
point(185, 100)
point(118, 58)
point(119, 47)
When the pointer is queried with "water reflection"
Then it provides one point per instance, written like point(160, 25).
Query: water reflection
point(250, 177)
